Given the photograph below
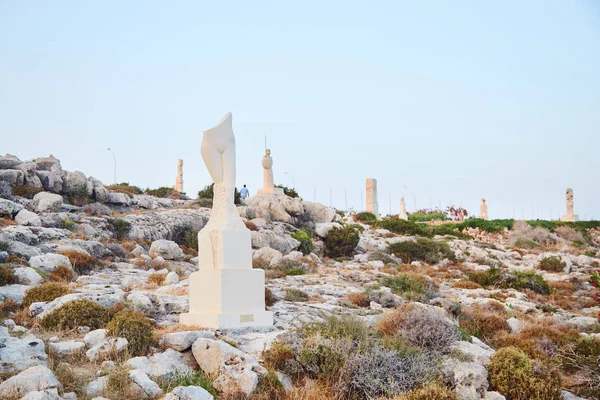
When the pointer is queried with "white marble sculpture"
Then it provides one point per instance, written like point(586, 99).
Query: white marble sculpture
point(402, 214)
point(268, 181)
point(226, 292)
point(179, 179)
point(570, 215)
point(372, 204)
point(483, 210)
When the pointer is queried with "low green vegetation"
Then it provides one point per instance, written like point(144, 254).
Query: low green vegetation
point(296, 295)
point(365, 217)
point(291, 192)
point(136, 328)
point(306, 242)
point(341, 241)
point(424, 217)
point(412, 286)
point(198, 378)
point(205, 196)
point(45, 292)
point(552, 264)
point(518, 280)
point(125, 187)
point(423, 249)
point(77, 313)
point(120, 227)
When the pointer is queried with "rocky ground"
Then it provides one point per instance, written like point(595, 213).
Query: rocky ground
point(91, 295)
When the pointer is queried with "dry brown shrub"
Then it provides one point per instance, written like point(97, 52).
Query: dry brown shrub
point(540, 339)
point(7, 222)
point(390, 322)
point(270, 299)
point(156, 279)
point(314, 390)
point(250, 225)
point(563, 288)
point(15, 259)
point(7, 307)
point(483, 324)
point(81, 262)
point(62, 273)
point(389, 270)
point(466, 285)
point(274, 274)
point(23, 317)
point(359, 299)
point(494, 306)
point(568, 233)
point(277, 355)
point(499, 296)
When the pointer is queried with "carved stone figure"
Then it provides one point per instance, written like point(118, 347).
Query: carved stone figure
point(226, 292)
point(570, 215)
point(483, 210)
point(268, 181)
point(402, 214)
point(372, 204)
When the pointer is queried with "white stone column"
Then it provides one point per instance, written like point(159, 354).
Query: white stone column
point(372, 204)
point(402, 214)
point(570, 215)
point(483, 210)
point(226, 292)
point(179, 180)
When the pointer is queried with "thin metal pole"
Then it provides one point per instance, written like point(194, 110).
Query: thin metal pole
point(330, 199)
point(315, 194)
point(346, 198)
point(390, 204)
point(361, 201)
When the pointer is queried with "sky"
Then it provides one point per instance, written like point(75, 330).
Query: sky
point(443, 102)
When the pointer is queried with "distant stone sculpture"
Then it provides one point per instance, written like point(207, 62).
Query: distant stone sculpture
point(226, 292)
point(268, 181)
point(483, 210)
point(402, 214)
point(372, 204)
point(570, 215)
point(179, 180)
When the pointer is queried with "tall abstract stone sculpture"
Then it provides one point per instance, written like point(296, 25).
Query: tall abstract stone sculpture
point(570, 215)
point(268, 181)
point(402, 214)
point(179, 180)
point(483, 210)
point(372, 204)
point(226, 292)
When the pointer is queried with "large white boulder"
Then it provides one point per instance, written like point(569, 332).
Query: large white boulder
point(322, 228)
point(167, 249)
point(46, 202)
point(19, 354)
point(14, 292)
point(318, 212)
point(268, 254)
point(106, 348)
point(48, 394)
point(9, 161)
point(48, 262)
point(165, 366)
point(13, 177)
point(119, 198)
point(74, 181)
point(469, 379)
point(188, 393)
point(28, 218)
point(28, 276)
point(232, 369)
point(9, 208)
point(94, 337)
point(67, 348)
point(171, 278)
point(33, 379)
point(142, 386)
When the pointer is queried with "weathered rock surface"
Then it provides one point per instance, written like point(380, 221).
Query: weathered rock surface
point(33, 379)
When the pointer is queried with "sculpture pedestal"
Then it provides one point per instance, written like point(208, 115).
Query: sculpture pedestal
point(274, 191)
point(225, 248)
point(227, 298)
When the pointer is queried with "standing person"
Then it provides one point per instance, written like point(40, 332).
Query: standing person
point(244, 192)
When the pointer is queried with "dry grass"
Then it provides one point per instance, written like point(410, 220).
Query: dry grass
point(314, 390)
point(22, 317)
point(390, 323)
point(7, 222)
point(81, 262)
point(466, 285)
point(270, 299)
point(250, 225)
point(62, 273)
point(156, 279)
point(483, 324)
point(358, 299)
point(7, 307)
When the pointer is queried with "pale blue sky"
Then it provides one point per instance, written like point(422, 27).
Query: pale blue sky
point(455, 99)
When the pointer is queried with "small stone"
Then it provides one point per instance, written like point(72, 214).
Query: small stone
point(188, 393)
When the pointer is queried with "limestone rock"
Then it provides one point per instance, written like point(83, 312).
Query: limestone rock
point(93, 338)
point(276, 238)
point(188, 393)
point(268, 254)
point(318, 212)
point(165, 224)
point(480, 353)
point(33, 379)
point(14, 292)
point(143, 386)
point(106, 348)
point(30, 177)
point(468, 378)
point(233, 369)
point(171, 278)
point(166, 249)
point(514, 324)
point(498, 396)
point(13, 177)
point(67, 348)
point(28, 276)
point(73, 182)
point(9, 208)
point(46, 202)
point(119, 198)
point(9, 161)
point(48, 394)
point(26, 217)
point(182, 341)
point(49, 262)
point(321, 229)
point(96, 387)
point(19, 354)
point(165, 366)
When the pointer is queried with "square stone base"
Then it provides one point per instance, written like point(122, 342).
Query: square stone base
point(227, 298)
point(275, 191)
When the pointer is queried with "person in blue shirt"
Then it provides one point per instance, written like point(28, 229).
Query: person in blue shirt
point(244, 192)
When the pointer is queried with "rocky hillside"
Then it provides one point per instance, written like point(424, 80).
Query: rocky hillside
point(92, 282)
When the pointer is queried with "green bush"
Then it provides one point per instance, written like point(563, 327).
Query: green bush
point(424, 217)
point(552, 264)
point(7, 276)
point(190, 239)
point(76, 313)
point(306, 243)
point(296, 295)
point(485, 278)
point(290, 267)
point(431, 391)
point(492, 226)
point(208, 194)
point(401, 227)
point(78, 198)
point(45, 292)
point(125, 187)
point(341, 242)
point(423, 249)
point(120, 227)
point(512, 373)
point(510, 280)
point(291, 192)
point(365, 217)
point(412, 286)
point(198, 378)
point(162, 192)
point(334, 327)
point(322, 358)
point(4, 246)
point(136, 328)
point(67, 224)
